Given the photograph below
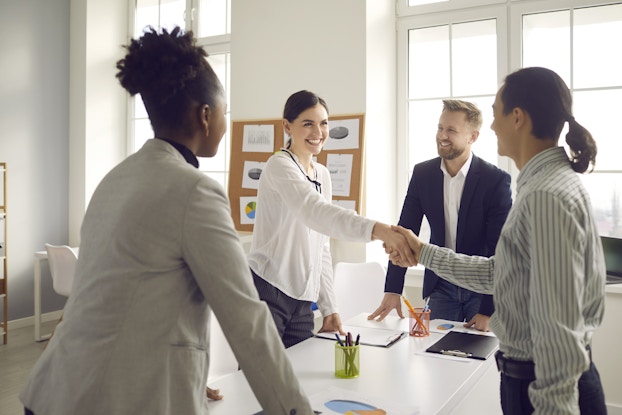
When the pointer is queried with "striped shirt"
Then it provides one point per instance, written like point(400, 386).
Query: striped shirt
point(547, 277)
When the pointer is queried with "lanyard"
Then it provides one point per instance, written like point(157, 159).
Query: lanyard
point(318, 185)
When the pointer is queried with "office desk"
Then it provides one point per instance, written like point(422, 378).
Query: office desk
point(401, 373)
point(40, 256)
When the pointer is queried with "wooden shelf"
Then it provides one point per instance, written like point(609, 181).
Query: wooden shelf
point(3, 259)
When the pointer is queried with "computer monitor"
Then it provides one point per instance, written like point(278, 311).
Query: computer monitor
point(612, 248)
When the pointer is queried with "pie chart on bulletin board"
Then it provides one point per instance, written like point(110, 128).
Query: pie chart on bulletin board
point(250, 209)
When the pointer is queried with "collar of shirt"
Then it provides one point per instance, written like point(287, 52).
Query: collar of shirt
point(185, 152)
point(550, 155)
point(296, 160)
point(464, 169)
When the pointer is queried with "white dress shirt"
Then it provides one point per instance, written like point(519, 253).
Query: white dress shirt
point(452, 194)
point(293, 226)
point(547, 278)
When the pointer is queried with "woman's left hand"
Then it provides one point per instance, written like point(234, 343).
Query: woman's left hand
point(332, 322)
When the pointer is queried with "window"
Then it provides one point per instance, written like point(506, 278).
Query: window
point(441, 65)
point(463, 51)
point(210, 20)
point(447, 56)
point(564, 40)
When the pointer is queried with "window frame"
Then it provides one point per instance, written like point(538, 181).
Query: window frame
point(403, 9)
point(213, 45)
point(509, 15)
point(410, 22)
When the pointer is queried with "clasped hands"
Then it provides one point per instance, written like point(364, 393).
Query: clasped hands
point(403, 247)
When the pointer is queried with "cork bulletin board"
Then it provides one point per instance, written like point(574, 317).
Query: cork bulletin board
point(254, 141)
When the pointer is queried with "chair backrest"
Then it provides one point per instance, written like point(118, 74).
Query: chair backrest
point(62, 260)
point(359, 287)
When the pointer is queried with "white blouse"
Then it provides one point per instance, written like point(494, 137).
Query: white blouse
point(294, 221)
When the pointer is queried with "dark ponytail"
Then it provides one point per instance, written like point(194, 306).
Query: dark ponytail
point(547, 99)
point(582, 147)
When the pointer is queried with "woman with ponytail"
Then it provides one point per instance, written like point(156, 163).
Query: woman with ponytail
point(547, 276)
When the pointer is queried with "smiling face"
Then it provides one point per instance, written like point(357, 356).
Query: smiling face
point(454, 135)
point(308, 131)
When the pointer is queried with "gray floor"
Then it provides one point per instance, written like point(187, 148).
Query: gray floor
point(17, 357)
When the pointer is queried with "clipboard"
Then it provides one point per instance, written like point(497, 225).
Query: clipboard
point(369, 336)
point(373, 333)
point(467, 345)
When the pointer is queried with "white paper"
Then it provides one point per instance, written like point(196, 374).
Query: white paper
point(340, 168)
point(343, 134)
point(252, 171)
point(258, 138)
point(248, 206)
point(373, 333)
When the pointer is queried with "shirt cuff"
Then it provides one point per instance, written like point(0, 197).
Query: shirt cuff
point(427, 254)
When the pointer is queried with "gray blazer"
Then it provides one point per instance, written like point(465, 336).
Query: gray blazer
point(158, 250)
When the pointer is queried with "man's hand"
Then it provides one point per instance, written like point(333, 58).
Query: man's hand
point(394, 243)
point(479, 322)
point(414, 244)
point(389, 302)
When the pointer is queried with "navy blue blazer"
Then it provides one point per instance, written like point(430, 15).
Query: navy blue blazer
point(486, 201)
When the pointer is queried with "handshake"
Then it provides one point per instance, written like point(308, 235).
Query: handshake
point(402, 245)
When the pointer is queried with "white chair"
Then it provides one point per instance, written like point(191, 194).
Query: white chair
point(62, 260)
point(359, 287)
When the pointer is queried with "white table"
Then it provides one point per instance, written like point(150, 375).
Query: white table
point(39, 257)
point(401, 373)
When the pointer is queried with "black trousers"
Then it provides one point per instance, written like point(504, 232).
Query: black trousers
point(515, 398)
point(293, 318)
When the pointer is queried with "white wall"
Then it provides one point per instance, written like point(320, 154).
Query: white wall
point(58, 87)
point(381, 128)
point(279, 47)
point(34, 114)
point(98, 104)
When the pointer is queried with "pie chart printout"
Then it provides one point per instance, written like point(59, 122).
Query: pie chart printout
point(250, 209)
point(342, 406)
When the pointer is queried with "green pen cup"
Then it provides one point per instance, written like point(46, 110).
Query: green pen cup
point(347, 361)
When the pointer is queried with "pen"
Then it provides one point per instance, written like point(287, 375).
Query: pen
point(338, 340)
point(358, 337)
point(427, 305)
point(414, 313)
point(410, 307)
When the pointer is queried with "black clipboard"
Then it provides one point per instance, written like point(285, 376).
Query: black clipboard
point(471, 346)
